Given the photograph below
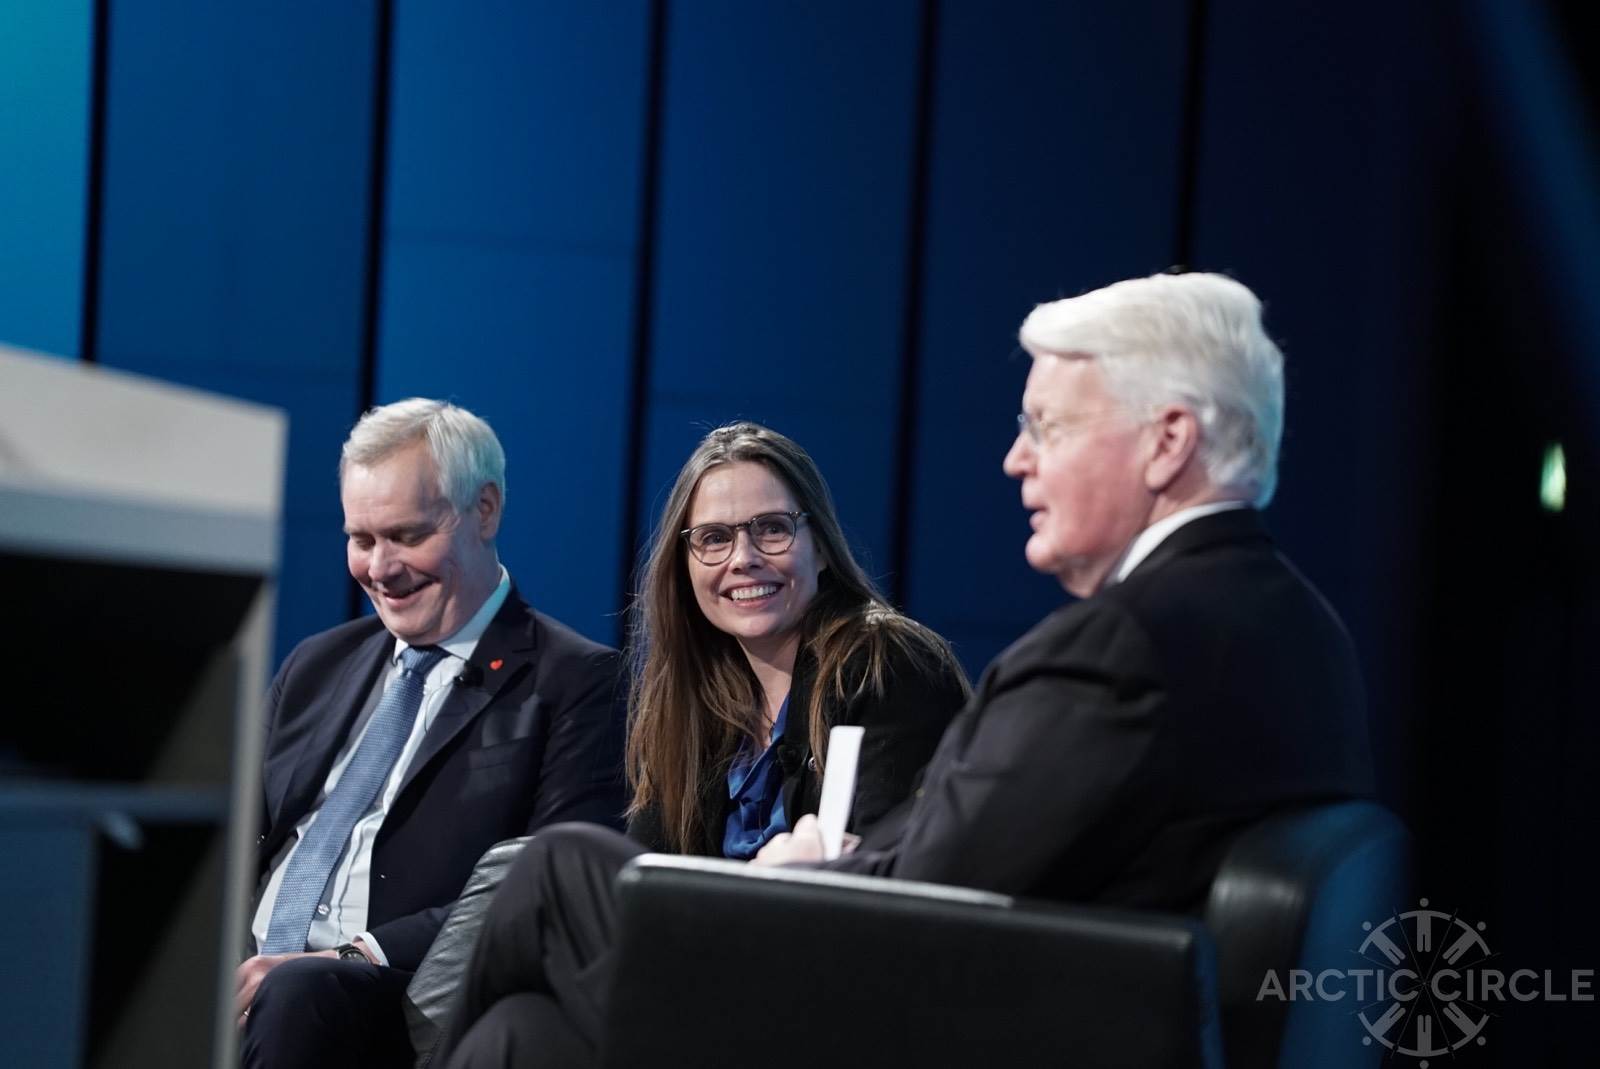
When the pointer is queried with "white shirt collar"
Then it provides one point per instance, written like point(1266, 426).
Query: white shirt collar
point(1151, 537)
point(465, 640)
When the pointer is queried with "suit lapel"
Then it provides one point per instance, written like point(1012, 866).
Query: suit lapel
point(338, 711)
point(507, 646)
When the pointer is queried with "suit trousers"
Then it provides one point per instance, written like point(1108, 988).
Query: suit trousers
point(535, 993)
point(316, 1012)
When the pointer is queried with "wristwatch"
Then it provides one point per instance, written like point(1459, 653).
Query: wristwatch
point(351, 952)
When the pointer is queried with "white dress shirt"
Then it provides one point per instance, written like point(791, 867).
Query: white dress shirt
point(1151, 537)
point(342, 916)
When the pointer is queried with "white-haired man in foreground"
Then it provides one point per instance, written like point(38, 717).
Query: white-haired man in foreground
point(1111, 753)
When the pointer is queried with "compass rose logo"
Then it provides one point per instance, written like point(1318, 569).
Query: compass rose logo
point(1426, 1007)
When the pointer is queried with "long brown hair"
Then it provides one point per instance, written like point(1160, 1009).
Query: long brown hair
point(694, 697)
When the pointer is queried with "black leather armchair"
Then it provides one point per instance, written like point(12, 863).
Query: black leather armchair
point(720, 964)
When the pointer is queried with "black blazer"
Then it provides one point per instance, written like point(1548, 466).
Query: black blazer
point(532, 737)
point(1112, 752)
point(903, 728)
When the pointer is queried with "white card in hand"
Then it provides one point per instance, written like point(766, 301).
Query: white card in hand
point(838, 788)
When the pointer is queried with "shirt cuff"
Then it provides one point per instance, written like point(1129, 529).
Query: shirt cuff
point(372, 946)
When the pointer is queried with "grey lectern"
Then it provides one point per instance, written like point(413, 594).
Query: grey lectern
point(138, 550)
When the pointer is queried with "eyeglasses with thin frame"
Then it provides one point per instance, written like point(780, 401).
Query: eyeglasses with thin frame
point(772, 533)
point(1038, 428)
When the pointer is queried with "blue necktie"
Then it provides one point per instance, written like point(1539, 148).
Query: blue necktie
point(319, 852)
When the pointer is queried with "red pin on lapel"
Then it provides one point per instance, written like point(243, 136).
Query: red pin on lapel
point(494, 665)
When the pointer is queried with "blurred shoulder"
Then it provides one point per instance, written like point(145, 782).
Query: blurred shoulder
point(1100, 635)
point(557, 637)
point(570, 663)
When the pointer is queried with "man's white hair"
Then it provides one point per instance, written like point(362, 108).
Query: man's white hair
point(465, 451)
point(1193, 339)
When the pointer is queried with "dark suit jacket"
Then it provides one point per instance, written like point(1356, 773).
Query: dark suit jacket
point(534, 741)
point(903, 728)
point(1112, 752)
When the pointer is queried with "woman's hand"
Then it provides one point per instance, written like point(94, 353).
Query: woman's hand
point(803, 844)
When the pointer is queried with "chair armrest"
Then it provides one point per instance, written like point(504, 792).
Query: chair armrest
point(717, 961)
point(1292, 893)
point(434, 993)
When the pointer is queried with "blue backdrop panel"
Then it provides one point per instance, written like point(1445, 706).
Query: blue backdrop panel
point(1054, 170)
point(784, 196)
point(516, 134)
point(45, 76)
point(1548, 143)
point(518, 123)
point(1363, 123)
point(537, 344)
point(236, 168)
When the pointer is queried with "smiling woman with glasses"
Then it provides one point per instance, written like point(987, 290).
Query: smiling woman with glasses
point(754, 633)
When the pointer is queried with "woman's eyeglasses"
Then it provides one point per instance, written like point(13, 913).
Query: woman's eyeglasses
point(771, 533)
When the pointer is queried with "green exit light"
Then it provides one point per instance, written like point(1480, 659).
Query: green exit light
point(1553, 479)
